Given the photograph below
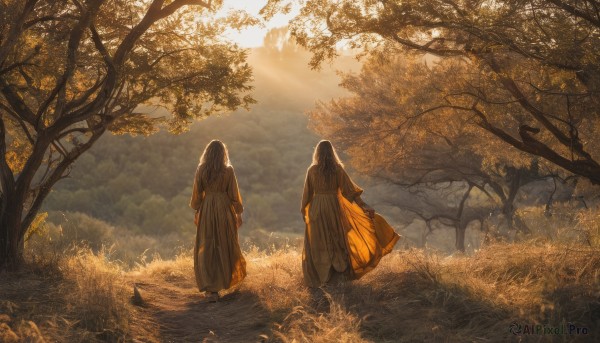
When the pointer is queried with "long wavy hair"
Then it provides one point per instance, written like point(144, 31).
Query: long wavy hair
point(326, 160)
point(214, 160)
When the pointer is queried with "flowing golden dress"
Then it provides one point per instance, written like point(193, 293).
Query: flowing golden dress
point(218, 260)
point(339, 236)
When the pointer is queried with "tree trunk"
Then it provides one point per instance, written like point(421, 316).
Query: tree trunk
point(485, 227)
point(462, 221)
point(423, 240)
point(508, 209)
point(460, 237)
point(11, 239)
point(11, 252)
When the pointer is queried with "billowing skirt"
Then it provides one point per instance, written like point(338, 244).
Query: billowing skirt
point(341, 238)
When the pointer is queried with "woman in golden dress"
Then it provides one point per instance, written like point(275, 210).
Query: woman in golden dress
point(218, 260)
point(344, 236)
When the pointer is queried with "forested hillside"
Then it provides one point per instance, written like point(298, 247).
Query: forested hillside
point(139, 186)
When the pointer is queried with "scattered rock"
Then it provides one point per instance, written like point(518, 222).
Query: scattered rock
point(137, 299)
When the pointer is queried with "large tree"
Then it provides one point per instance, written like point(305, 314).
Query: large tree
point(71, 70)
point(525, 71)
point(436, 157)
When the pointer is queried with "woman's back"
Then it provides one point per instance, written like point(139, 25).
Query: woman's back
point(219, 183)
point(224, 183)
point(218, 260)
point(318, 183)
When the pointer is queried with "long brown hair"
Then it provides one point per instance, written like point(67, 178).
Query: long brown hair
point(214, 160)
point(326, 159)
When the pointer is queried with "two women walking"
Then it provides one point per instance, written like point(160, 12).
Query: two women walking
point(344, 237)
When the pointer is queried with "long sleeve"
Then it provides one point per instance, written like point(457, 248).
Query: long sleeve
point(349, 189)
point(198, 192)
point(234, 193)
point(308, 192)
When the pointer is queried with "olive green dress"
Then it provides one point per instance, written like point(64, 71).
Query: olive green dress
point(218, 260)
point(340, 237)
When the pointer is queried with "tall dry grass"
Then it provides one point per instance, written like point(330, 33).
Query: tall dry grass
point(413, 296)
point(77, 297)
point(418, 297)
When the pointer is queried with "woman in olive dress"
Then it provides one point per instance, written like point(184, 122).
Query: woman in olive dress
point(218, 260)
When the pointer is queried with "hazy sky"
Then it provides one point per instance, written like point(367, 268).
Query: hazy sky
point(253, 36)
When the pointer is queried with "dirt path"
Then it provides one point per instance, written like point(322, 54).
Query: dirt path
point(174, 311)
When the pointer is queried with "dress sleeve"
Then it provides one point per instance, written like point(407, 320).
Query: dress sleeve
point(349, 189)
point(234, 193)
point(308, 192)
point(198, 192)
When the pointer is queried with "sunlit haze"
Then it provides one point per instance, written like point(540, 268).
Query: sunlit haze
point(251, 37)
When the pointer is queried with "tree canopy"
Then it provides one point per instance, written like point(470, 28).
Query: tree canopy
point(72, 70)
point(525, 72)
point(439, 156)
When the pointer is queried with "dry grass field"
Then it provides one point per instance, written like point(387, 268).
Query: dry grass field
point(412, 296)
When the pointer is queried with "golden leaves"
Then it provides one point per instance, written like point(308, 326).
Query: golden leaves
point(17, 153)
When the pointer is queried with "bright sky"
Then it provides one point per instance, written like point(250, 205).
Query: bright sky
point(253, 36)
